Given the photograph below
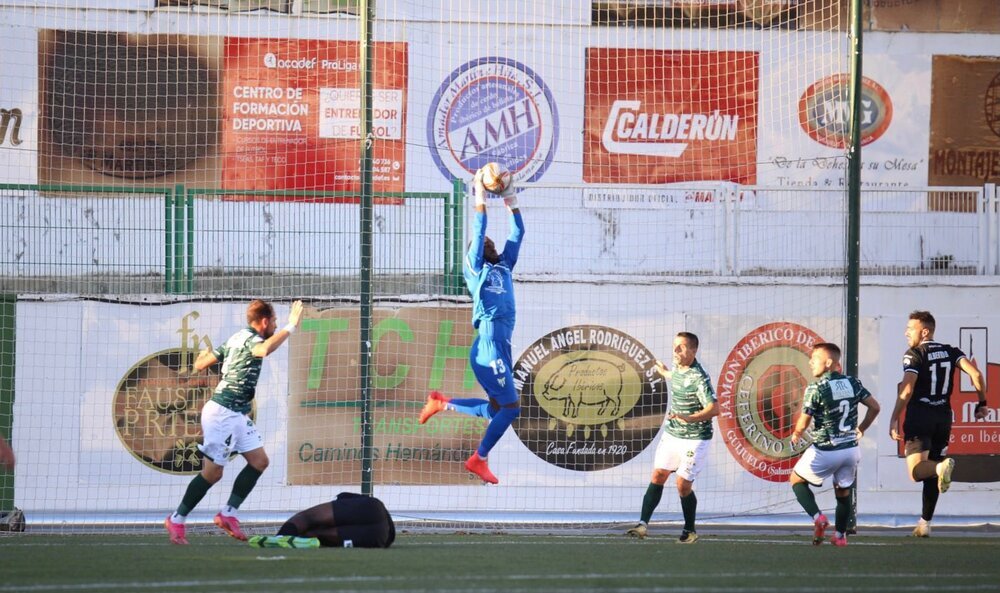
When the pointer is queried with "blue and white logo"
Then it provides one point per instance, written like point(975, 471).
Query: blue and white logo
point(493, 109)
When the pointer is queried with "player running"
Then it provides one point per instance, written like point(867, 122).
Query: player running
point(225, 420)
point(925, 393)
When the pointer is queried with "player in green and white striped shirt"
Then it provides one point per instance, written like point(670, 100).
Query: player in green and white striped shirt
point(687, 433)
point(831, 404)
point(225, 419)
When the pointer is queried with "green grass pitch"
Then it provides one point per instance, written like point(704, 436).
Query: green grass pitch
point(743, 563)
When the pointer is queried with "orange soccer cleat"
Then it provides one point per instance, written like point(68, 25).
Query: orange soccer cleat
point(478, 466)
point(435, 403)
point(230, 525)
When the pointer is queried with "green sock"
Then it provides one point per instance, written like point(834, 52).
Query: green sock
point(843, 513)
point(652, 498)
point(196, 491)
point(689, 505)
point(804, 494)
point(243, 485)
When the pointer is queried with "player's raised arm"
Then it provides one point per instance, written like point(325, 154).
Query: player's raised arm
point(474, 257)
point(278, 338)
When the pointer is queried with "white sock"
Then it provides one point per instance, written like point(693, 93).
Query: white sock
point(178, 519)
point(229, 511)
point(922, 522)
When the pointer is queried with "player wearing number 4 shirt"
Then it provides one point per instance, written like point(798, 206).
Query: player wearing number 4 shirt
point(488, 276)
point(831, 405)
point(925, 393)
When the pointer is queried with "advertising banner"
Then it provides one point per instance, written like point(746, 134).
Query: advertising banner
point(805, 138)
point(292, 112)
point(135, 110)
point(935, 16)
point(670, 116)
point(18, 104)
point(417, 350)
point(965, 121)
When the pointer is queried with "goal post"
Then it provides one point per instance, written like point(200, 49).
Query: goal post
point(680, 167)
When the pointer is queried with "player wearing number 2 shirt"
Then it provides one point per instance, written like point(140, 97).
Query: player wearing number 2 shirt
point(925, 393)
point(488, 277)
point(830, 404)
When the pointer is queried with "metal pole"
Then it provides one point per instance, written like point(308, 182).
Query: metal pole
point(365, 233)
point(854, 221)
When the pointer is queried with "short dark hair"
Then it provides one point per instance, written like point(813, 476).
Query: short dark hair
point(830, 348)
point(258, 310)
point(690, 337)
point(925, 318)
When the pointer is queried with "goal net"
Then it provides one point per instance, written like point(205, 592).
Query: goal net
point(680, 166)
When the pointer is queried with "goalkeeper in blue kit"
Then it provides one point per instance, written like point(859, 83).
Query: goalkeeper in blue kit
point(488, 277)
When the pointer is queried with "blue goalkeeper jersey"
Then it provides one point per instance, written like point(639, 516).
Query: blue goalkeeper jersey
point(491, 285)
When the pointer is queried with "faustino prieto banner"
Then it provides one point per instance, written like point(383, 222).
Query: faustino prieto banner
point(416, 350)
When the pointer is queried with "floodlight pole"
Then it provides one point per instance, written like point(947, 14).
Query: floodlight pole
point(854, 198)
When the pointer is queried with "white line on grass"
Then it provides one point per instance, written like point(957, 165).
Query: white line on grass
point(458, 582)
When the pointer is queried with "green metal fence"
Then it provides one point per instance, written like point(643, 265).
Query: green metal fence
point(62, 238)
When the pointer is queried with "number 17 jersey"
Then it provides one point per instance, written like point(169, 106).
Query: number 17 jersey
point(934, 364)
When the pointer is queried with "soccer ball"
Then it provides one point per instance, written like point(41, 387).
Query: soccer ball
point(495, 178)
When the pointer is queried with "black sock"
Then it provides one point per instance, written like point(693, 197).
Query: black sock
point(930, 497)
point(196, 491)
point(244, 483)
point(652, 498)
point(689, 505)
point(843, 513)
point(289, 528)
point(806, 498)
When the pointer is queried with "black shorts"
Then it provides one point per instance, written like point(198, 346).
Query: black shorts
point(926, 432)
point(363, 520)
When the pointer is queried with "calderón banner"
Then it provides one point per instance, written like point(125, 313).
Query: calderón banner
point(667, 116)
point(292, 115)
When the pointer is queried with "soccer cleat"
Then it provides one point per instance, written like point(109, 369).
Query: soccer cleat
point(839, 540)
point(638, 531)
point(478, 466)
point(687, 537)
point(283, 541)
point(922, 530)
point(230, 525)
point(175, 531)
point(435, 403)
point(819, 528)
point(944, 470)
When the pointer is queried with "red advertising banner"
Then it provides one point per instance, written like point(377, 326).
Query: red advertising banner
point(668, 116)
point(292, 115)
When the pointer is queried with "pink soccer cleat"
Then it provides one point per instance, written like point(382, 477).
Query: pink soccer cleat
point(819, 528)
point(175, 531)
point(230, 525)
point(839, 540)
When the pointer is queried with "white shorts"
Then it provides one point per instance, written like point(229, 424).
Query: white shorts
point(227, 431)
point(816, 465)
point(685, 456)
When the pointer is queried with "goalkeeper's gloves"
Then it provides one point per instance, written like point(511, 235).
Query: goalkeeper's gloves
point(509, 196)
point(478, 189)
